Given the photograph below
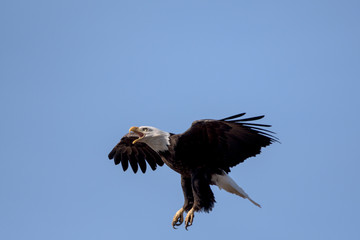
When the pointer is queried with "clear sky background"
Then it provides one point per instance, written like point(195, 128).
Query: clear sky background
point(75, 75)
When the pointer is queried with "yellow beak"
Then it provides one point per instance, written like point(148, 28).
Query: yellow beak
point(137, 131)
point(134, 129)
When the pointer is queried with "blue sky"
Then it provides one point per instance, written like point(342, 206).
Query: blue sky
point(75, 75)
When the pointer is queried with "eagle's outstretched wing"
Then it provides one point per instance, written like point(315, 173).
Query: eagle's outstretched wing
point(223, 143)
point(137, 154)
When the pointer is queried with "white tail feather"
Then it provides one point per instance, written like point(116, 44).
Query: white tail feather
point(228, 184)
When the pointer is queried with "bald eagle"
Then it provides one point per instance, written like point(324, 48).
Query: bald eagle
point(203, 156)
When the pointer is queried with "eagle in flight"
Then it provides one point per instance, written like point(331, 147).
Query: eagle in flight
point(203, 156)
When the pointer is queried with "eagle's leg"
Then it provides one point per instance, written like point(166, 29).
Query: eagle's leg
point(203, 196)
point(188, 201)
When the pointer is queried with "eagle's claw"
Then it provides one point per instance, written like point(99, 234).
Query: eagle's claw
point(189, 218)
point(178, 218)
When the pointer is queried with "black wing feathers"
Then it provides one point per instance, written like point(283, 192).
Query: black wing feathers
point(248, 119)
point(223, 143)
point(124, 161)
point(232, 117)
point(207, 143)
point(137, 154)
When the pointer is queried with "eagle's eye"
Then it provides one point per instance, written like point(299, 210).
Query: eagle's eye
point(146, 129)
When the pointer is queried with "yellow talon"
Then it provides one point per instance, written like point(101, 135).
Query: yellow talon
point(178, 218)
point(189, 218)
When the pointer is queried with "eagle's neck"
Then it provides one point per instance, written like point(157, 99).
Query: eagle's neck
point(159, 142)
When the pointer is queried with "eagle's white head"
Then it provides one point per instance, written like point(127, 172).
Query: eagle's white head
point(157, 139)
